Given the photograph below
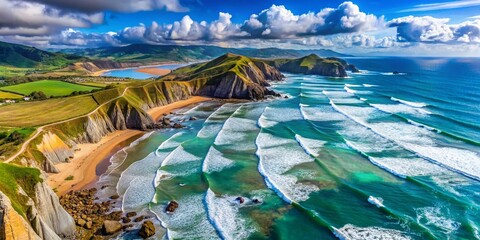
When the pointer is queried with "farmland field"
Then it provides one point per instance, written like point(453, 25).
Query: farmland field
point(7, 95)
point(49, 87)
point(29, 114)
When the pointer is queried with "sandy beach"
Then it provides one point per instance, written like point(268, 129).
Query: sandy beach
point(99, 73)
point(154, 71)
point(157, 113)
point(83, 167)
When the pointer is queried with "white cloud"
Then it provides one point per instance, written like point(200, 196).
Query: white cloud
point(279, 22)
point(91, 6)
point(33, 19)
point(435, 30)
point(442, 6)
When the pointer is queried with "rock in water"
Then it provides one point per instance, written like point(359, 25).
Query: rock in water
point(147, 230)
point(111, 227)
point(240, 200)
point(172, 206)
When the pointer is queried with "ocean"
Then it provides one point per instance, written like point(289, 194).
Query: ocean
point(373, 156)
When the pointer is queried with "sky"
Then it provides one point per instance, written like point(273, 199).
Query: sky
point(361, 27)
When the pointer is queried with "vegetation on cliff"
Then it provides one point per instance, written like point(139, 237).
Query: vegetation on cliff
point(313, 64)
point(229, 76)
point(13, 178)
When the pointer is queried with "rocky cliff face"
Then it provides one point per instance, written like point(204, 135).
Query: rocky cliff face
point(58, 142)
point(97, 65)
point(44, 219)
point(12, 224)
point(314, 65)
point(229, 76)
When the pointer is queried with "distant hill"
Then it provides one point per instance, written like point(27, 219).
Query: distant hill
point(157, 53)
point(228, 76)
point(21, 56)
point(313, 64)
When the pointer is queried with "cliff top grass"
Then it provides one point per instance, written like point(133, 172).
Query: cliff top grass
point(309, 61)
point(221, 65)
point(31, 114)
point(49, 87)
point(13, 177)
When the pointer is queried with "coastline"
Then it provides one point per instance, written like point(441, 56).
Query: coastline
point(157, 113)
point(154, 71)
point(83, 167)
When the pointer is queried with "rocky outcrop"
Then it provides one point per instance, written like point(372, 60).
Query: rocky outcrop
point(229, 76)
point(147, 230)
point(12, 224)
point(50, 215)
point(54, 149)
point(44, 218)
point(314, 65)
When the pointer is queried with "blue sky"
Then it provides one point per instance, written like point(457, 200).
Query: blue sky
point(381, 27)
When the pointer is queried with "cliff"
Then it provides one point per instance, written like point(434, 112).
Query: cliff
point(315, 65)
point(97, 65)
point(29, 209)
point(229, 76)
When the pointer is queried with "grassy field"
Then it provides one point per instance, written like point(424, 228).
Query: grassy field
point(6, 71)
point(7, 95)
point(94, 84)
point(30, 114)
point(49, 87)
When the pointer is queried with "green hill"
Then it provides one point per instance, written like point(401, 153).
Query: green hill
point(313, 64)
point(229, 76)
point(20, 56)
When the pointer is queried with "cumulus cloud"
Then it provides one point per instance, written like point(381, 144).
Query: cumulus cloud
point(435, 30)
point(92, 6)
point(279, 22)
point(34, 19)
point(274, 23)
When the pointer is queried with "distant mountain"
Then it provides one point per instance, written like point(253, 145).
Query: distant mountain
point(159, 53)
point(21, 56)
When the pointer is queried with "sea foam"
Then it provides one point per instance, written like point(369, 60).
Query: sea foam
point(277, 156)
point(352, 232)
point(215, 161)
point(189, 220)
point(223, 212)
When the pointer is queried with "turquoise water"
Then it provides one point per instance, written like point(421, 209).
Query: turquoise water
point(132, 72)
point(373, 156)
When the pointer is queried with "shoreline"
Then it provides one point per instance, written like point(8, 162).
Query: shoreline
point(157, 113)
point(83, 167)
point(100, 72)
point(154, 71)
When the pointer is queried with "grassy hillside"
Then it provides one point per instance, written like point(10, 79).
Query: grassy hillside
point(313, 64)
point(20, 56)
point(28, 114)
point(14, 177)
point(49, 87)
